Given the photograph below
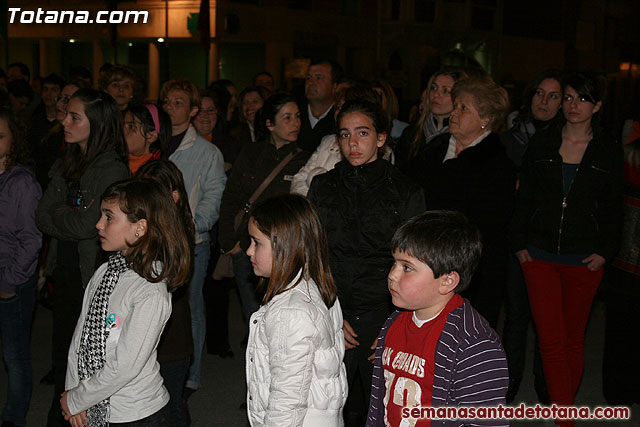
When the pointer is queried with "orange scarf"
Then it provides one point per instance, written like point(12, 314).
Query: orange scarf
point(135, 162)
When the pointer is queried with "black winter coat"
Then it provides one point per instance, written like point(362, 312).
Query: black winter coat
point(361, 207)
point(589, 219)
point(480, 182)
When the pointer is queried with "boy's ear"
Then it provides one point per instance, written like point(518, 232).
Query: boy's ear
point(448, 282)
point(141, 227)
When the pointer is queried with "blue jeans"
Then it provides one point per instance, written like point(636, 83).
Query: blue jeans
point(174, 374)
point(16, 314)
point(196, 304)
point(245, 280)
point(516, 326)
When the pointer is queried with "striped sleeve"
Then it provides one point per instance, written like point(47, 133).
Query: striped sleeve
point(470, 366)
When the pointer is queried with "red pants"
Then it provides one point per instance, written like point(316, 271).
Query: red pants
point(561, 297)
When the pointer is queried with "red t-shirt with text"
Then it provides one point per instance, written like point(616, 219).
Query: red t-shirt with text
point(408, 361)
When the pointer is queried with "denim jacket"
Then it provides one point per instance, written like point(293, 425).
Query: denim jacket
point(202, 168)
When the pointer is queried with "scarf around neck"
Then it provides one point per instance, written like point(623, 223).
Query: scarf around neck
point(92, 353)
point(430, 128)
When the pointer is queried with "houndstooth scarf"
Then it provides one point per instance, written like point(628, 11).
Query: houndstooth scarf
point(92, 352)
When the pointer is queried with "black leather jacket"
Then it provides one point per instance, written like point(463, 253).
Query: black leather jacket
point(588, 219)
point(361, 207)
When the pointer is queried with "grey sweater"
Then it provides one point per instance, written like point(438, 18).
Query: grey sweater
point(131, 375)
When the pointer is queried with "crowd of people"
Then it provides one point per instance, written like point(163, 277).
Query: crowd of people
point(372, 256)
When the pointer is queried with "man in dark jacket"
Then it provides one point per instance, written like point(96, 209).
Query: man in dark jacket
point(317, 114)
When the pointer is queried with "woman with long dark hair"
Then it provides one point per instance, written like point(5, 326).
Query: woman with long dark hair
point(95, 156)
point(278, 126)
point(543, 102)
point(566, 228)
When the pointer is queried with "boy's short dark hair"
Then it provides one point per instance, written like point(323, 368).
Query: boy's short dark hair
point(444, 240)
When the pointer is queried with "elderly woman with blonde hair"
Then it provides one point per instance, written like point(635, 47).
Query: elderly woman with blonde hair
point(467, 170)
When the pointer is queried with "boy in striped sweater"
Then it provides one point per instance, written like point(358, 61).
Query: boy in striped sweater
point(437, 350)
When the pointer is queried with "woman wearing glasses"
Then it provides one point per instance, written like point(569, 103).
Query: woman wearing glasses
point(210, 125)
point(566, 228)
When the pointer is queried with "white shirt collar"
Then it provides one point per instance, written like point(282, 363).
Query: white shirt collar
point(419, 323)
point(451, 150)
point(312, 119)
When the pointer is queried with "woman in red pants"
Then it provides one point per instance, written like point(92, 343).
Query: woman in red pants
point(566, 228)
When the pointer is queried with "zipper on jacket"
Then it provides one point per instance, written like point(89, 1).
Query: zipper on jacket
point(564, 206)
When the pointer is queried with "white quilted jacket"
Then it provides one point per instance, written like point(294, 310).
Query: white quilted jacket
point(295, 374)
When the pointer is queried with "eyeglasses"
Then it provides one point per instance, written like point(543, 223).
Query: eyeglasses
point(63, 99)
point(208, 111)
point(580, 98)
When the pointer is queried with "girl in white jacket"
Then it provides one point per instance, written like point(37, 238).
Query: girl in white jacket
point(112, 373)
point(295, 374)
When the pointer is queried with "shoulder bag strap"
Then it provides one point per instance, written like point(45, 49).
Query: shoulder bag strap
point(245, 209)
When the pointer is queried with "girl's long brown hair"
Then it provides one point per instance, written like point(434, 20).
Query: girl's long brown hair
point(168, 174)
point(166, 239)
point(298, 242)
